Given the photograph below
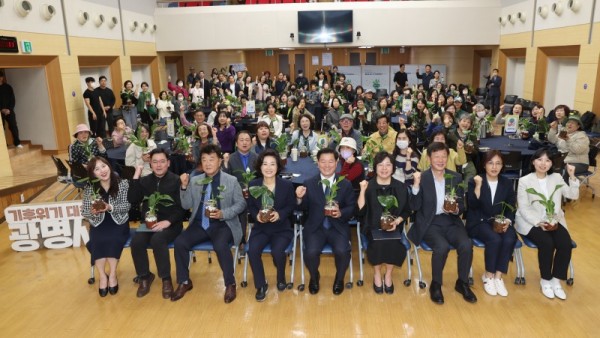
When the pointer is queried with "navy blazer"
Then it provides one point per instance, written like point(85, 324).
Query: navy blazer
point(481, 210)
point(495, 89)
point(425, 204)
point(285, 202)
point(314, 203)
point(236, 166)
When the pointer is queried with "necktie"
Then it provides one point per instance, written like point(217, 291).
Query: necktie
point(244, 161)
point(326, 223)
point(206, 219)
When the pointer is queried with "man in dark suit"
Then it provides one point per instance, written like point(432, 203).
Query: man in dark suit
point(320, 229)
point(232, 85)
point(240, 161)
point(206, 85)
point(425, 77)
point(440, 228)
point(493, 84)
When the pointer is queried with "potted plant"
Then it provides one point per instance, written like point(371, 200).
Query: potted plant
point(387, 202)
point(138, 141)
point(267, 202)
point(371, 148)
point(87, 150)
point(542, 128)
point(500, 220)
point(281, 146)
point(154, 200)
point(450, 200)
point(98, 203)
point(247, 176)
point(550, 221)
point(469, 142)
point(524, 125)
point(182, 144)
point(330, 202)
point(211, 204)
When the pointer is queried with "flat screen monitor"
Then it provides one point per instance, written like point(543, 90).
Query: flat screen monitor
point(325, 27)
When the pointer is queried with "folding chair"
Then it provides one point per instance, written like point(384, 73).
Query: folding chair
point(532, 245)
point(586, 176)
point(426, 247)
point(63, 177)
point(208, 247)
point(510, 99)
point(290, 251)
point(363, 243)
point(326, 250)
point(127, 172)
point(518, 258)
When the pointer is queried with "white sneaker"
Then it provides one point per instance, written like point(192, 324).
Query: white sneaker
point(489, 286)
point(20, 146)
point(547, 289)
point(500, 288)
point(559, 292)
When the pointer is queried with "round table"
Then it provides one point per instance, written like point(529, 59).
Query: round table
point(503, 143)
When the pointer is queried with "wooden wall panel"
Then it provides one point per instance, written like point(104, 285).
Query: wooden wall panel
point(57, 106)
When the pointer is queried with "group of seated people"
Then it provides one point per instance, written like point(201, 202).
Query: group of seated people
point(425, 159)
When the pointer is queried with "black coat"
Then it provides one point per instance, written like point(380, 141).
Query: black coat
point(481, 210)
point(372, 209)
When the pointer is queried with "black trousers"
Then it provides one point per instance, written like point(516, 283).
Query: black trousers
point(146, 118)
point(498, 247)
point(256, 244)
point(11, 119)
point(92, 123)
point(159, 242)
point(99, 126)
point(221, 237)
point(110, 120)
point(313, 245)
point(554, 251)
point(439, 237)
point(494, 104)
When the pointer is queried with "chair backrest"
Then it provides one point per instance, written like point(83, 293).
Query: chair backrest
point(510, 99)
point(78, 172)
point(592, 154)
point(558, 162)
point(480, 91)
point(61, 169)
point(512, 160)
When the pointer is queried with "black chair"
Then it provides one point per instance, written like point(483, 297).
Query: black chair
point(381, 93)
point(510, 99)
point(513, 166)
point(127, 172)
point(63, 177)
point(482, 91)
point(78, 172)
point(586, 176)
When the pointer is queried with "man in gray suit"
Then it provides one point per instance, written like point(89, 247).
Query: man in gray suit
point(220, 225)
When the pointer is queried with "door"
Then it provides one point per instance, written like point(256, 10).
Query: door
point(299, 64)
point(371, 58)
point(284, 64)
point(354, 59)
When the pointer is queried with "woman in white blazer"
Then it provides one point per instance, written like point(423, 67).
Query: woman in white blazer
point(551, 238)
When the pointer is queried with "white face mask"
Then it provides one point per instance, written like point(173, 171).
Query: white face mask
point(481, 114)
point(180, 84)
point(465, 92)
point(402, 144)
point(346, 154)
point(180, 98)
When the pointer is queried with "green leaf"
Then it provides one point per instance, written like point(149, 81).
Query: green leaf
point(388, 202)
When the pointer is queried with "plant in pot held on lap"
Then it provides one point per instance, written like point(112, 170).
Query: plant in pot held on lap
point(267, 202)
point(154, 201)
point(330, 202)
point(211, 204)
point(450, 200)
point(368, 156)
point(247, 176)
point(500, 220)
point(549, 222)
point(525, 125)
point(542, 129)
point(98, 203)
point(281, 146)
point(182, 143)
point(387, 202)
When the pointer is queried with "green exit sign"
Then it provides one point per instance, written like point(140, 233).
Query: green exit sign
point(268, 52)
point(26, 47)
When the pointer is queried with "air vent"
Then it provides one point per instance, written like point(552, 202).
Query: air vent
point(83, 17)
point(47, 11)
point(113, 22)
point(99, 20)
point(23, 8)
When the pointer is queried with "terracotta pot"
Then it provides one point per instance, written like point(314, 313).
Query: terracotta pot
point(499, 224)
point(303, 154)
point(450, 205)
point(245, 192)
point(284, 161)
point(189, 157)
point(562, 134)
point(329, 207)
point(469, 147)
point(524, 134)
point(211, 205)
point(151, 220)
point(371, 174)
point(550, 226)
point(386, 221)
point(265, 214)
point(98, 204)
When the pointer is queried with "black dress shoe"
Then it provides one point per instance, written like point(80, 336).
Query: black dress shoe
point(181, 290)
point(378, 289)
point(464, 289)
point(338, 287)
point(389, 289)
point(261, 293)
point(435, 293)
point(313, 284)
point(281, 286)
point(103, 292)
point(113, 289)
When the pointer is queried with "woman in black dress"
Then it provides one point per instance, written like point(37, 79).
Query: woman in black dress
point(108, 219)
point(386, 252)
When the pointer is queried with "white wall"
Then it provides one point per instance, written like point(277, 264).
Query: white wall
point(33, 22)
point(526, 8)
point(561, 79)
point(171, 69)
point(485, 69)
point(515, 76)
point(32, 108)
point(269, 26)
point(139, 74)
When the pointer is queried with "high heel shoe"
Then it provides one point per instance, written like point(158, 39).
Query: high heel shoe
point(113, 289)
point(103, 292)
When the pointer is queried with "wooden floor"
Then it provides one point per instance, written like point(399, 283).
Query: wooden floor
point(45, 293)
